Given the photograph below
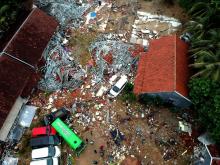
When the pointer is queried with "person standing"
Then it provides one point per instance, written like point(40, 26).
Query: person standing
point(100, 2)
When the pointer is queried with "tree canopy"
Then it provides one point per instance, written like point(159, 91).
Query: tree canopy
point(205, 41)
point(9, 10)
point(204, 28)
point(205, 95)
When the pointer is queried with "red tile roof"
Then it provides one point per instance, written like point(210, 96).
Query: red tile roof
point(13, 76)
point(164, 68)
point(28, 45)
point(214, 150)
point(30, 41)
point(215, 162)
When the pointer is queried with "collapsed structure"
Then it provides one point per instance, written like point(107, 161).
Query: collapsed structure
point(66, 12)
point(112, 55)
point(60, 71)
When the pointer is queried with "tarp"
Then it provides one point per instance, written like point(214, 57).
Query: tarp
point(10, 161)
point(17, 133)
point(93, 14)
point(27, 115)
point(205, 139)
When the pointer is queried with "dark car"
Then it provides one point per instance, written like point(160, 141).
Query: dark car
point(61, 113)
point(44, 141)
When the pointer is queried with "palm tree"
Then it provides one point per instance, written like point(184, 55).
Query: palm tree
point(208, 64)
point(209, 42)
point(205, 16)
point(195, 27)
point(205, 42)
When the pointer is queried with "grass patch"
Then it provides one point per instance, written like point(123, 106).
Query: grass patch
point(80, 43)
point(128, 94)
point(151, 100)
point(25, 149)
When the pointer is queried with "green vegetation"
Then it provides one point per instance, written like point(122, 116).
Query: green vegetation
point(205, 45)
point(9, 10)
point(205, 94)
point(151, 100)
point(128, 94)
point(169, 2)
point(204, 28)
point(80, 42)
point(24, 148)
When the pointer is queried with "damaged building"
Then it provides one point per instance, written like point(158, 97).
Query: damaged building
point(19, 62)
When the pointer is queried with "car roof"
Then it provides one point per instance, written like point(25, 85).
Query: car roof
point(44, 140)
point(42, 130)
point(121, 81)
point(39, 130)
point(44, 162)
point(40, 152)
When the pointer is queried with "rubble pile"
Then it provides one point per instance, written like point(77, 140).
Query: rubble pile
point(110, 55)
point(61, 71)
point(66, 12)
point(148, 26)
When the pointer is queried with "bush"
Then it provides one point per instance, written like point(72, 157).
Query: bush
point(131, 97)
point(169, 2)
point(9, 11)
point(128, 94)
point(187, 4)
point(205, 96)
point(129, 87)
point(150, 100)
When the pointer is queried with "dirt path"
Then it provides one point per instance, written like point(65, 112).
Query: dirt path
point(157, 7)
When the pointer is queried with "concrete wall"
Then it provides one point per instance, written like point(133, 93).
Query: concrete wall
point(11, 118)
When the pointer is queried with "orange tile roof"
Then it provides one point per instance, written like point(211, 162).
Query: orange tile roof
point(164, 68)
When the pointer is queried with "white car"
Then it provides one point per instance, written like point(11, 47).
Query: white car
point(45, 152)
point(49, 161)
point(119, 85)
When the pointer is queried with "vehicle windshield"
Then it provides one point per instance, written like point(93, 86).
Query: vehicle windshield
point(51, 151)
point(116, 89)
point(58, 113)
point(50, 161)
point(80, 148)
point(51, 139)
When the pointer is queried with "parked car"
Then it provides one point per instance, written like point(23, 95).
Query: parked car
point(44, 141)
point(119, 85)
point(61, 113)
point(43, 131)
point(49, 161)
point(45, 152)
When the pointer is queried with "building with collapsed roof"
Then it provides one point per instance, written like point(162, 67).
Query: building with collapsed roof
point(163, 71)
point(19, 60)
